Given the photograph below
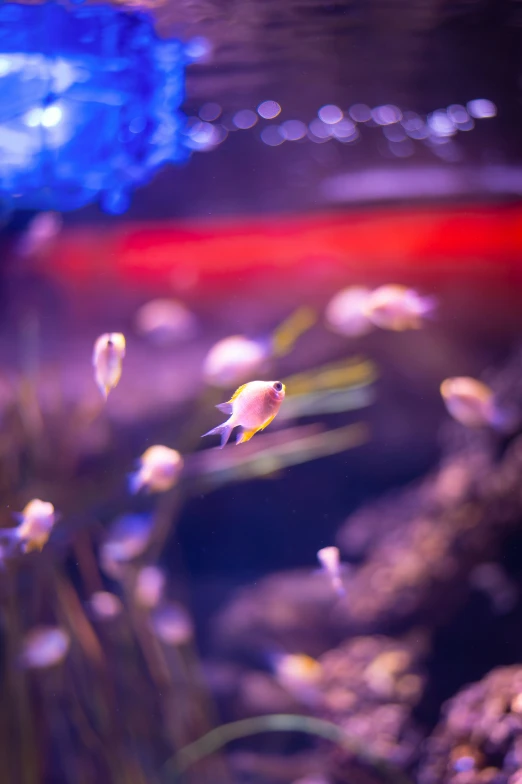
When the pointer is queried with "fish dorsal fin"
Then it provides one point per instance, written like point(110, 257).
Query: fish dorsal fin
point(238, 392)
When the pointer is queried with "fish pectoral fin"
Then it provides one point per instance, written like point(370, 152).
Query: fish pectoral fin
point(237, 392)
point(246, 435)
point(225, 408)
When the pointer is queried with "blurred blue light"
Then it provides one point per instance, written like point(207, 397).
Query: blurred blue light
point(209, 112)
point(330, 114)
point(293, 130)
point(345, 129)
point(481, 108)
point(244, 119)
point(386, 115)
point(272, 136)
point(95, 118)
point(360, 112)
point(269, 109)
point(441, 124)
point(198, 48)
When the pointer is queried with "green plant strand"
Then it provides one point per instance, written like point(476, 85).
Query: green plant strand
point(278, 722)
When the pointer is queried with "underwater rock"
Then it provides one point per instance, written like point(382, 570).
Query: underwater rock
point(260, 693)
point(422, 564)
point(442, 490)
point(420, 548)
point(369, 687)
point(280, 768)
point(288, 609)
point(479, 738)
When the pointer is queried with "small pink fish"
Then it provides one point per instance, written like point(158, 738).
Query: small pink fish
point(299, 674)
point(36, 524)
point(346, 312)
point(44, 646)
point(233, 359)
point(42, 230)
point(107, 358)
point(150, 586)
point(398, 308)
point(128, 538)
point(329, 559)
point(472, 403)
point(252, 407)
point(165, 321)
point(159, 470)
point(105, 606)
point(172, 624)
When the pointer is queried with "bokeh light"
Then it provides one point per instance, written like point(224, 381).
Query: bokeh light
point(458, 114)
point(481, 108)
point(414, 125)
point(51, 116)
point(394, 133)
point(150, 585)
point(44, 646)
point(360, 112)
point(401, 149)
point(441, 124)
point(205, 136)
point(209, 112)
point(293, 130)
point(330, 114)
point(345, 130)
point(272, 135)
point(105, 606)
point(172, 624)
point(199, 48)
point(319, 129)
point(268, 110)
point(245, 119)
point(385, 115)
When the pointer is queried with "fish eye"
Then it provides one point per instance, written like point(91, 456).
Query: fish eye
point(278, 386)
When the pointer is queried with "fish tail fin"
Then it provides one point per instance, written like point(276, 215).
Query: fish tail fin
point(428, 306)
point(338, 586)
point(245, 435)
point(223, 430)
point(11, 540)
point(10, 535)
point(291, 329)
point(135, 482)
point(225, 408)
point(104, 389)
point(504, 420)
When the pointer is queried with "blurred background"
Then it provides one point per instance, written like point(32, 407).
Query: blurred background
point(206, 179)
